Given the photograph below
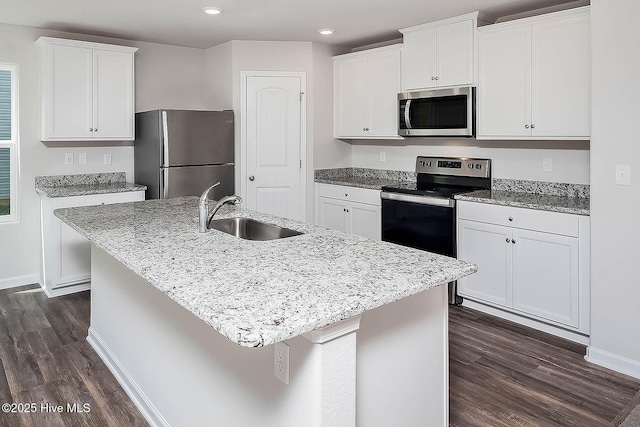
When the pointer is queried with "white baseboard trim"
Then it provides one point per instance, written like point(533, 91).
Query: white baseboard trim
point(544, 327)
point(52, 293)
point(621, 364)
point(142, 402)
point(14, 282)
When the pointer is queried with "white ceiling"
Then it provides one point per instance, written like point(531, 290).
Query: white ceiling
point(182, 22)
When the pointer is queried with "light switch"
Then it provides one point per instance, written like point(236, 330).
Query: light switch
point(623, 175)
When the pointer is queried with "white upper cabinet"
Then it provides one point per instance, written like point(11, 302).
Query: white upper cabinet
point(534, 79)
point(87, 91)
point(366, 87)
point(439, 54)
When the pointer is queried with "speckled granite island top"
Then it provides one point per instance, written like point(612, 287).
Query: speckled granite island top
point(545, 202)
point(259, 293)
point(84, 184)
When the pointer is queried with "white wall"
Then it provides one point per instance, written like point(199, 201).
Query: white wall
point(327, 151)
point(219, 77)
point(166, 77)
point(510, 159)
point(615, 234)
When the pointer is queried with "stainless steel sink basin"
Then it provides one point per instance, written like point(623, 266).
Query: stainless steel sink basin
point(251, 229)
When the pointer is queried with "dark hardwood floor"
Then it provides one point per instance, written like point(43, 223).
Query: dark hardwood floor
point(502, 374)
point(45, 359)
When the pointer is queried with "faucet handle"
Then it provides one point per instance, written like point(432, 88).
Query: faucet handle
point(205, 195)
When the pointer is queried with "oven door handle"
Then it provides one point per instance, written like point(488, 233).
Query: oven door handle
point(422, 200)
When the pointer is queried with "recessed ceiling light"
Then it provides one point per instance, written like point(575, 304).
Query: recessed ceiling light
point(326, 31)
point(212, 10)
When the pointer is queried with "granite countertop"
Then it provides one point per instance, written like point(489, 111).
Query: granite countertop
point(544, 202)
point(84, 184)
point(373, 179)
point(259, 293)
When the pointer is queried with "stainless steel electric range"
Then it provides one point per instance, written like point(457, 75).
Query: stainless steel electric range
point(422, 215)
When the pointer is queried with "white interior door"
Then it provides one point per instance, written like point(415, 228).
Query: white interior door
point(274, 135)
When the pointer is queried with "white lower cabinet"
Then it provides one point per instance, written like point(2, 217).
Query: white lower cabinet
point(530, 263)
point(66, 254)
point(349, 209)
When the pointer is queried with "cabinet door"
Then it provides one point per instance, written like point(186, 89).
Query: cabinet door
point(384, 75)
point(68, 93)
point(455, 54)
point(332, 213)
point(545, 276)
point(504, 86)
point(489, 247)
point(364, 220)
point(74, 261)
point(350, 89)
point(419, 68)
point(113, 109)
point(561, 78)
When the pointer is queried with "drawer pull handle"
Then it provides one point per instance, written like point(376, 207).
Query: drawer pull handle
point(511, 218)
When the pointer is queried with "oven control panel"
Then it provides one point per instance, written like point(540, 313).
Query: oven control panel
point(454, 166)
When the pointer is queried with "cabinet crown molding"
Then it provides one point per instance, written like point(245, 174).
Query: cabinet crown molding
point(547, 17)
point(44, 41)
point(391, 47)
point(478, 17)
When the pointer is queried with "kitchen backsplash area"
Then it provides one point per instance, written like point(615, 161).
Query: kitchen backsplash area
point(361, 176)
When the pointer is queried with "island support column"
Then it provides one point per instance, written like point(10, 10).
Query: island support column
point(334, 352)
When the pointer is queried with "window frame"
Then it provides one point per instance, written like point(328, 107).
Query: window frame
point(12, 144)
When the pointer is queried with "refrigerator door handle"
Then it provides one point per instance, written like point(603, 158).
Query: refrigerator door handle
point(165, 139)
point(164, 183)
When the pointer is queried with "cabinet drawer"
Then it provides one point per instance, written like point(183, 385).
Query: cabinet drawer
point(353, 194)
point(529, 219)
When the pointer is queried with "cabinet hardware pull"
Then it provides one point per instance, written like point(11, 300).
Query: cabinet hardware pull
point(433, 78)
point(533, 126)
point(95, 130)
point(513, 241)
point(346, 195)
point(508, 240)
point(437, 78)
point(526, 126)
point(511, 218)
point(90, 129)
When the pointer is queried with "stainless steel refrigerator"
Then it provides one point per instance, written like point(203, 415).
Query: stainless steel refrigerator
point(183, 152)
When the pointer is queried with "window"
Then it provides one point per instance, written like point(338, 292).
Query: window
point(8, 144)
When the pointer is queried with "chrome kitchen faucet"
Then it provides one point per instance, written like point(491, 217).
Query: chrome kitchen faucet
point(204, 218)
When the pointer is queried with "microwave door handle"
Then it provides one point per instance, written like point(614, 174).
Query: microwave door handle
point(407, 118)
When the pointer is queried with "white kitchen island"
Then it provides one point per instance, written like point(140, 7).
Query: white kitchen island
point(186, 321)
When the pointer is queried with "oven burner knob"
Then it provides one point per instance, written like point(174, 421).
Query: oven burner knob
point(470, 165)
point(478, 166)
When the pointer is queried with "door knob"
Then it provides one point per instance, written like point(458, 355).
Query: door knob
point(252, 178)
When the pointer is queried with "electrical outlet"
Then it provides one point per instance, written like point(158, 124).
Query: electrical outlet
point(68, 158)
point(547, 164)
point(383, 156)
point(281, 362)
point(82, 158)
point(623, 175)
point(107, 159)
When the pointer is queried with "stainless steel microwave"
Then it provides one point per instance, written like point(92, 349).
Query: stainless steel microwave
point(438, 112)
